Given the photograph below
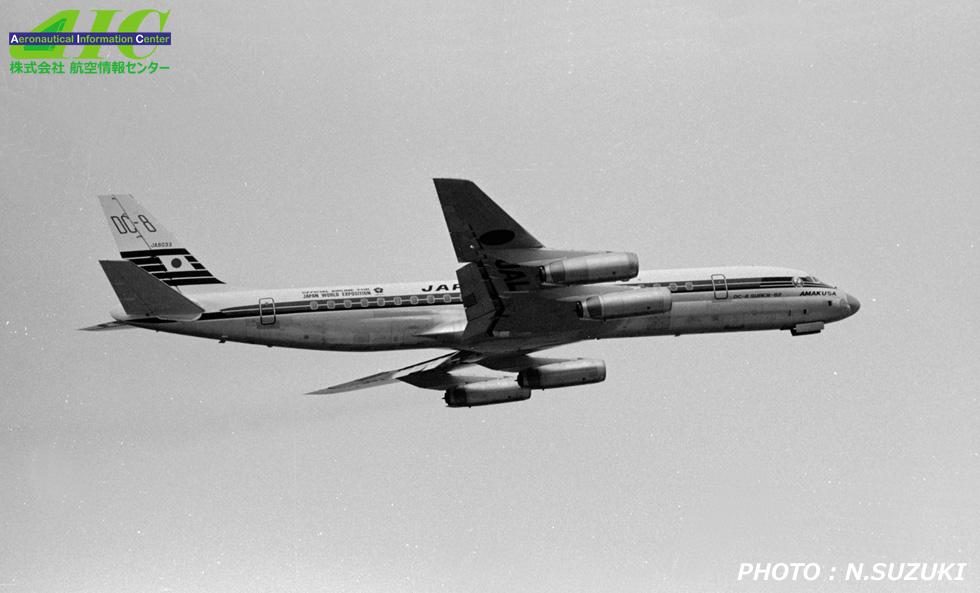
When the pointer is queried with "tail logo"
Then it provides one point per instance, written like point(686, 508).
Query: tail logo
point(126, 226)
point(143, 240)
point(176, 267)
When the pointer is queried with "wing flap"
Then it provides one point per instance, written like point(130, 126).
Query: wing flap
point(481, 300)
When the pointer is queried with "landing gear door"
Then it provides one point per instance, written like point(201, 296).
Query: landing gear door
point(267, 312)
point(720, 284)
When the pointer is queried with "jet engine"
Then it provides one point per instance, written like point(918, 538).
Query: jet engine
point(563, 374)
point(494, 391)
point(628, 303)
point(589, 269)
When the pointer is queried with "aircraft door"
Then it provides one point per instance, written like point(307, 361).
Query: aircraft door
point(267, 312)
point(720, 284)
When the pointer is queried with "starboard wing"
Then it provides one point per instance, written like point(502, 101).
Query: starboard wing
point(501, 285)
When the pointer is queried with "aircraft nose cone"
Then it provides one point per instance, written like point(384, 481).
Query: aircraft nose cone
point(853, 303)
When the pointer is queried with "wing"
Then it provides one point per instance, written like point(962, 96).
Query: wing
point(108, 325)
point(510, 302)
point(476, 224)
point(446, 372)
point(519, 297)
point(435, 367)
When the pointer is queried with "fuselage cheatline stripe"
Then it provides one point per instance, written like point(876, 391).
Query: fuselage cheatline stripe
point(352, 304)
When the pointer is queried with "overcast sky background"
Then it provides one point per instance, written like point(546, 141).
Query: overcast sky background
point(296, 147)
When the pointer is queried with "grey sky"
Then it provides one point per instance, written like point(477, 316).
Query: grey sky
point(296, 147)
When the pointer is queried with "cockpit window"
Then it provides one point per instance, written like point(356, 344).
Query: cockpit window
point(797, 281)
point(813, 281)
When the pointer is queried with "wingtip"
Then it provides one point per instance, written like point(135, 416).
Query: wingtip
point(446, 180)
point(324, 391)
point(108, 325)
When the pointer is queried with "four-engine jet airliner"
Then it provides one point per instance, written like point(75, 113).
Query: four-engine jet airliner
point(511, 298)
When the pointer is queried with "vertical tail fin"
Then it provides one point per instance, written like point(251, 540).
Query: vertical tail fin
point(145, 242)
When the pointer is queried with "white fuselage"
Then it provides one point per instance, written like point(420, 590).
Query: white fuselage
point(431, 314)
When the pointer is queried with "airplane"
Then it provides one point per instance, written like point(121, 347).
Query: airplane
point(512, 298)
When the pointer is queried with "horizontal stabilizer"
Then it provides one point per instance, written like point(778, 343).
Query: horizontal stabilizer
point(142, 295)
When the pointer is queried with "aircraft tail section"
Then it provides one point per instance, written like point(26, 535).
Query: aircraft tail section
point(142, 295)
point(145, 242)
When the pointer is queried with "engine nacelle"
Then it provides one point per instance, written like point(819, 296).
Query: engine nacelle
point(563, 374)
point(493, 391)
point(628, 303)
point(589, 269)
